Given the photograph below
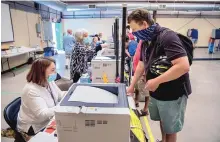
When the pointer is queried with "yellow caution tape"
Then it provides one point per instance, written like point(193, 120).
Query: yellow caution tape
point(136, 126)
point(151, 137)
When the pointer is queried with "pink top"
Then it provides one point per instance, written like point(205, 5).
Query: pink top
point(137, 55)
point(131, 36)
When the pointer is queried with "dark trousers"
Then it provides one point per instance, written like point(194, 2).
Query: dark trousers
point(31, 131)
point(76, 77)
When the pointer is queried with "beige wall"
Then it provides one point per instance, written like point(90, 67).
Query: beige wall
point(181, 25)
point(24, 34)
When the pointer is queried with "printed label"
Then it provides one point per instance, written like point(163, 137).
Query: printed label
point(90, 123)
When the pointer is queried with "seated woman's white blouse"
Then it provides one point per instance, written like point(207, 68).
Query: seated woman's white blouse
point(37, 106)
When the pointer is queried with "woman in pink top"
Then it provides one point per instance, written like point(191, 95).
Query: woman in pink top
point(140, 86)
point(137, 55)
point(129, 33)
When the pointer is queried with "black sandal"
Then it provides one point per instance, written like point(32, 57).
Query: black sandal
point(144, 113)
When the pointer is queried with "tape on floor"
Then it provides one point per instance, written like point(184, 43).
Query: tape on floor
point(150, 134)
point(136, 127)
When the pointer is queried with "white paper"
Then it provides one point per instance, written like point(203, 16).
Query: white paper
point(90, 94)
point(43, 137)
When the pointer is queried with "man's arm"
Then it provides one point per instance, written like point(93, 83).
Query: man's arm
point(179, 68)
point(175, 53)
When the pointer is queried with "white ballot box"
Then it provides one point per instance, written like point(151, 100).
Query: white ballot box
point(94, 113)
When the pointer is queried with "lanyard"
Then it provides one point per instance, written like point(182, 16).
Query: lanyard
point(51, 93)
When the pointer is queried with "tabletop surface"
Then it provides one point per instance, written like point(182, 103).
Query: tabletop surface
point(17, 51)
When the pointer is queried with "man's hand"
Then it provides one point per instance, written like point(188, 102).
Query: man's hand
point(130, 91)
point(128, 54)
point(152, 85)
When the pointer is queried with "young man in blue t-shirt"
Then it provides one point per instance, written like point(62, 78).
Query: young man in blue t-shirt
point(130, 49)
point(131, 46)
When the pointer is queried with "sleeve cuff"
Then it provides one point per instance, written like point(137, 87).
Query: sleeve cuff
point(177, 56)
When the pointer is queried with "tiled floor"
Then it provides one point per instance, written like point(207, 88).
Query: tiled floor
point(202, 116)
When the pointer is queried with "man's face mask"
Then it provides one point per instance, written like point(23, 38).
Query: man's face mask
point(145, 34)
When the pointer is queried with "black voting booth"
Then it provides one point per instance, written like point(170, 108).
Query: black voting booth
point(115, 35)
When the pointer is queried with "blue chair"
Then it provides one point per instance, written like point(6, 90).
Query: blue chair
point(11, 114)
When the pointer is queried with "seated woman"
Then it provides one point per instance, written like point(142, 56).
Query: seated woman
point(80, 56)
point(97, 45)
point(39, 98)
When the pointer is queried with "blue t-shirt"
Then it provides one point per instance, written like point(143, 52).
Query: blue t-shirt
point(132, 46)
point(68, 43)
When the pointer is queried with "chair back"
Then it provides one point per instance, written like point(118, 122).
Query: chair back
point(11, 113)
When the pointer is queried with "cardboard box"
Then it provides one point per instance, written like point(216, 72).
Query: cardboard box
point(101, 67)
point(110, 52)
point(96, 79)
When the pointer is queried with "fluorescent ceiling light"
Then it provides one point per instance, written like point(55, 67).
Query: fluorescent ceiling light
point(72, 9)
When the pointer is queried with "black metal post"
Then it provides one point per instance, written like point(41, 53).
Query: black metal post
point(114, 37)
point(117, 44)
point(155, 15)
point(113, 30)
point(124, 15)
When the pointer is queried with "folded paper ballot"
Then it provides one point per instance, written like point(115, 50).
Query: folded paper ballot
point(89, 94)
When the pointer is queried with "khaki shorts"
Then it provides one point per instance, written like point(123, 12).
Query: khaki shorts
point(140, 87)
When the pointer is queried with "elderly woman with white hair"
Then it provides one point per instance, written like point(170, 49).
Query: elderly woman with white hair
point(86, 39)
point(80, 56)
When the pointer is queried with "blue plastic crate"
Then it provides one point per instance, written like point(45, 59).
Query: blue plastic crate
point(48, 51)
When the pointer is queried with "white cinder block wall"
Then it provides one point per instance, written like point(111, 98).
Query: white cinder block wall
point(180, 25)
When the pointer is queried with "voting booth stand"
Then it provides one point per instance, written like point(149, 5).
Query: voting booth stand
point(214, 37)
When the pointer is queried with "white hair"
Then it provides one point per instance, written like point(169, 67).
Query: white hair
point(84, 31)
point(79, 34)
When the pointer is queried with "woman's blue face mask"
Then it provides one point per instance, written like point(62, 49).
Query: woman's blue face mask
point(52, 77)
point(86, 41)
